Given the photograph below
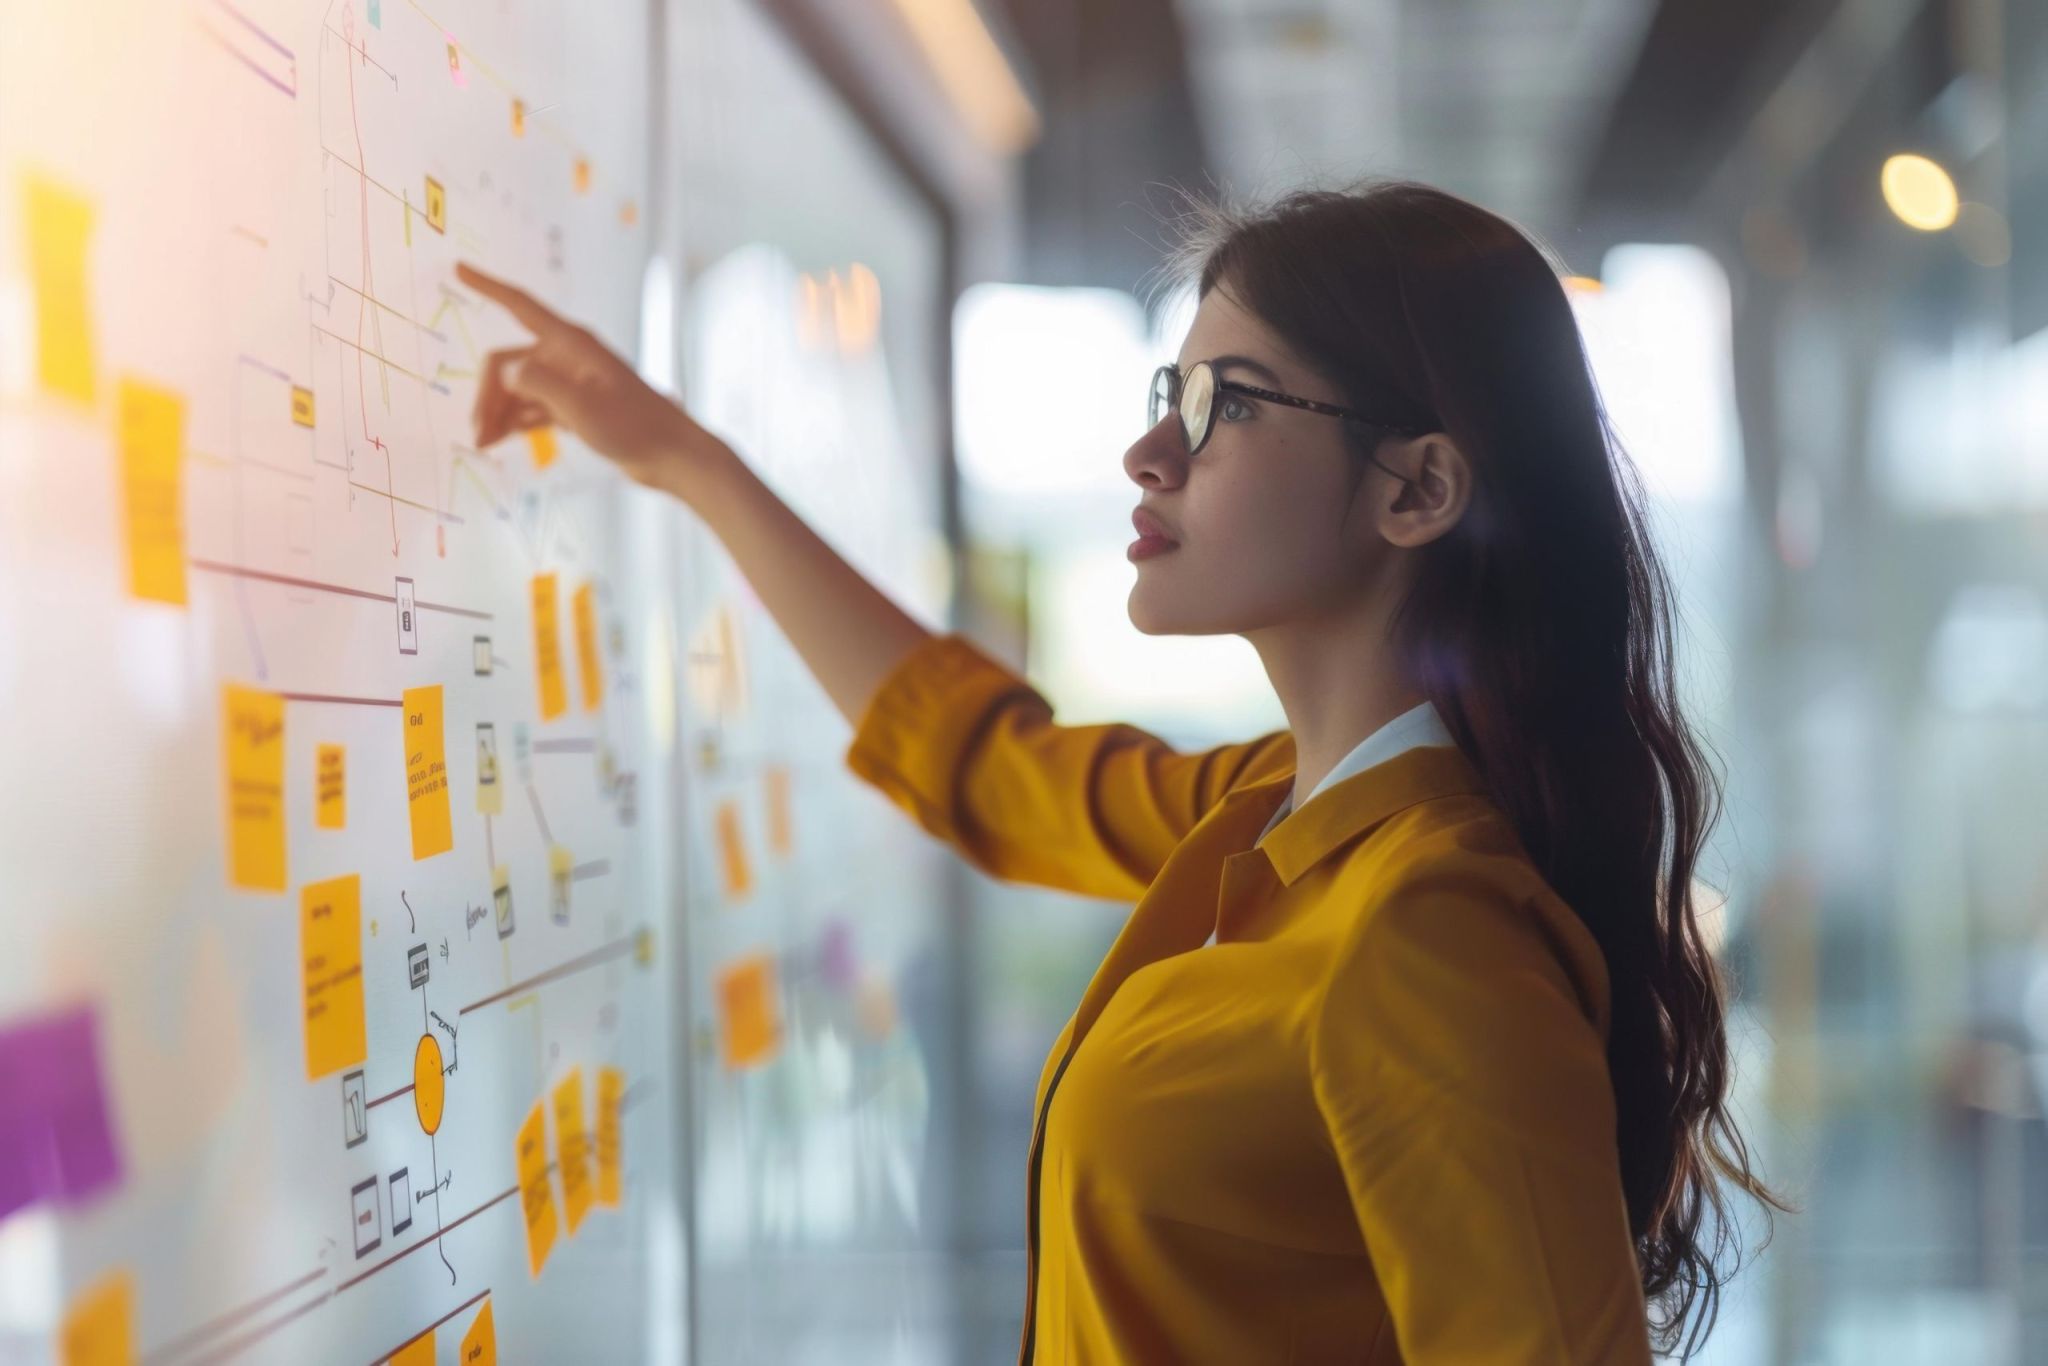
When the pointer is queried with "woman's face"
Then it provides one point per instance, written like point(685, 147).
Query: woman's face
point(1266, 525)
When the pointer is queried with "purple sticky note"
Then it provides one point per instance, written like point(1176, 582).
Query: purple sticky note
point(56, 1141)
point(835, 954)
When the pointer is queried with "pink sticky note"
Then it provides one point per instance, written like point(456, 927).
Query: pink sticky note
point(56, 1138)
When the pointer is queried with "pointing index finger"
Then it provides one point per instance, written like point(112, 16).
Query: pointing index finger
point(535, 315)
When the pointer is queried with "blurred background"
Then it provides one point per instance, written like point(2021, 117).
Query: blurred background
point(905, 255)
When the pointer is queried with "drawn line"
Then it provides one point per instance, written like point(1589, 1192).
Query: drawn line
point(594, 868)
point(339, 700)
point(393, 1096)
point(228, 1320)
point(586, 746)
point(254, 1335)
point(431, 1327)
point(588, 960)
point(360, 1277)
point(291, 581)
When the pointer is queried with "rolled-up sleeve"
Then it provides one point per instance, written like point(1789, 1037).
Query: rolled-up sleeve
point(970, 750)
point(1460, 1066)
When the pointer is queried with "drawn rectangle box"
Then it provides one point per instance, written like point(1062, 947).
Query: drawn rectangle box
point(367, 1219)
point(480, 655)
point(355, 1113)
point(401, 1202)
point(416, 965)
point(408, 617)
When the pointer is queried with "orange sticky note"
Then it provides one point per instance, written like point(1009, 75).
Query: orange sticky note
point(536, 1192)
point(746, 1007)
point(780, 837)
point(519, 118)
point(572, 1148)
point(584, 604)
point(480, 1343)
point(426, 773)
point(302, 405)
point(542, 439)
point(331, 947)
point(59, 224)
point(99, 1328)
point(582, 175)
point(437, 206)
point(418, 1352)
point(611, 1086)
point(732, 851)
point(547, 649)
point(252, 742)
point(152, 441)
point(330, 787)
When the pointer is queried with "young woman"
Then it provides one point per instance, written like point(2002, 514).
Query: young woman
point(1411, 1049)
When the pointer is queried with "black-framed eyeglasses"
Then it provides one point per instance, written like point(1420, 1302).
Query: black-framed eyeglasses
point(1193, 397)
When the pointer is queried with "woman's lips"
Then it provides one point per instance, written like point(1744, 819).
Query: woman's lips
point(1152, 536)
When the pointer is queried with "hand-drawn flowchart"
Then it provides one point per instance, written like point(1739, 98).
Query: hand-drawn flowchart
point(315, 996)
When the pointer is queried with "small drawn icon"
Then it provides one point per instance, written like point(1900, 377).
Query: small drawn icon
point(501, 894)
point(416, 965)
point(560, 867)
point(480, 655)
point(486, 755)
point(368, 1222)
point(355, 1113)
point(401, 1202)
point(437, 198)
point(408, 617)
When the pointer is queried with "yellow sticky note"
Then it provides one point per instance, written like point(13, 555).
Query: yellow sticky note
point(330, 787)
point(59, 223)
point(437, 206)
point(746, 1008)
point(519, 118)
point(547, 649)
point(732, 852)
point(426, 773)
point(585, 606)
point(611, 1085)
point(418, 1352)
point(582, 175)
point(542, 439)
point(536, 1192)
point(480, 1343)
point(99, 1328)
point(152, 441)
point(781, 838)
point(302, 405)
point(252, 740)
point(331, 947)
point(572, 1148)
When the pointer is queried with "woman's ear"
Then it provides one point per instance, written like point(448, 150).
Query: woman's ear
point(1439, 485)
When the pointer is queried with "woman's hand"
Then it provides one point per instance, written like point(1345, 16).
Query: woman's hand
point(568, 378)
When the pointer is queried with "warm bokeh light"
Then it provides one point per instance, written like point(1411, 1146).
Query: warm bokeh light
point(1919, 191)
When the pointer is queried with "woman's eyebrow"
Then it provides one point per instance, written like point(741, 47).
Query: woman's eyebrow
point(1220, 363)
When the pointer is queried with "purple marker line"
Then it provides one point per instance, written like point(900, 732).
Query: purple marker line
point(245, 60)
point(249, 24)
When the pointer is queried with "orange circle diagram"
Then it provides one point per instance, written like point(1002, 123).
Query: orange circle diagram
point(429, 1088)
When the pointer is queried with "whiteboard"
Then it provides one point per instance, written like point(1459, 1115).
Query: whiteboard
point(334, 919)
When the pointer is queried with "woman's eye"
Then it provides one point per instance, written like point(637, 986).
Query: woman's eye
point(1244, 409)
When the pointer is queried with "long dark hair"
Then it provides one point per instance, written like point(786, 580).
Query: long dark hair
point(1541, 626)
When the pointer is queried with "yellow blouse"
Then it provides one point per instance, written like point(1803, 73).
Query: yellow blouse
point(1371, 1123)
